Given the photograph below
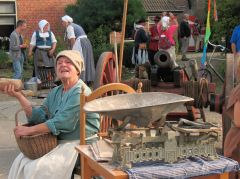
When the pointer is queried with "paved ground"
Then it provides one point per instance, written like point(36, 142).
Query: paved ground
point(8, 147)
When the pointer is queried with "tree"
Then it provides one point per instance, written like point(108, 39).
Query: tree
point(100, 17)
point(228, 18)
point(92, 14)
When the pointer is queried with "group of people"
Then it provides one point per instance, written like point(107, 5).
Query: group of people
point(62, 117)
point(43, 44)
point(161, 36)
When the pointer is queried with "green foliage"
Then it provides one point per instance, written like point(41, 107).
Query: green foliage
point(99, 42)
point(61, 45)
point(228, 18)
point(100, 17)
point(93, 13)
point(4, 59)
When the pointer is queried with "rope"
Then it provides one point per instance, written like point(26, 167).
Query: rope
point(198, 90)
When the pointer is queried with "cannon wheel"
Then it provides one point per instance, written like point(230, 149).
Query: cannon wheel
point(106, 71)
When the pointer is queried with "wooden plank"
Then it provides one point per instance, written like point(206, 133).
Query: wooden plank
point(103, 169)
point(217, 176)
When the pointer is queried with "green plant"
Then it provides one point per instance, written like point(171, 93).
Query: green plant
point(94, 13)
point(228, 18)
point(99, 42)
point(4, 60)
point(61, 45)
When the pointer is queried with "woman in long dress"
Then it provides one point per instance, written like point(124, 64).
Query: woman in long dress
point(78, 40)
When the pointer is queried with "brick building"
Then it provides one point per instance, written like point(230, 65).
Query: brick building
point(32, 11)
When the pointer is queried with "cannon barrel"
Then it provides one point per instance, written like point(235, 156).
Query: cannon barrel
point(163, 59)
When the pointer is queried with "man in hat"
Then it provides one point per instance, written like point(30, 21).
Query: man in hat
point(140, 38)
point(153, 44)
point(140, 54)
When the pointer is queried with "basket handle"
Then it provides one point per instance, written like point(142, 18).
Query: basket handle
point(16, 114)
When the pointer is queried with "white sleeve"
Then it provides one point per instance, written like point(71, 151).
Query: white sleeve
point(70, 32)
point(33, 39)
point(53, 38)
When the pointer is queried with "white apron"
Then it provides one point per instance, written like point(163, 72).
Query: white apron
point(57, 164)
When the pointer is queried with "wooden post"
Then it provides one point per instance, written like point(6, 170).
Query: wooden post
point(228, 86)
point(122, 38)
point(82, 117)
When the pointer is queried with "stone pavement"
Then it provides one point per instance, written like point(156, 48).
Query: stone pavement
point(8, 146)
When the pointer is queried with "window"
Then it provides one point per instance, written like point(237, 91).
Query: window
point(7, 7)
point(7, 18)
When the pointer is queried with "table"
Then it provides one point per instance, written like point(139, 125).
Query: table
point(90, 167)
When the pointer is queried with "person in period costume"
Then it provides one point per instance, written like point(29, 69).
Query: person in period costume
point(63, 103)
point(197, 34)
point(185, 33)
point(167, 28)
point(140, 40)
point(78, 40)
point(17, 49)
point(154, 38)
point(43, 43)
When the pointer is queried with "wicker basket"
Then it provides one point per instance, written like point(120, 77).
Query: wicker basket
point(35, 146)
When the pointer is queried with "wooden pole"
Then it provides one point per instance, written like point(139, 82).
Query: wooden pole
point(228, 86)
point(122, 38)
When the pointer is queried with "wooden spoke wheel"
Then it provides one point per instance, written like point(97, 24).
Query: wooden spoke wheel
point(106, 71)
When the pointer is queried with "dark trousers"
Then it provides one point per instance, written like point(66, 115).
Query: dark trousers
point(151, 54)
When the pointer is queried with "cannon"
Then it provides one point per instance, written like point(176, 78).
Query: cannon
point(164, 71)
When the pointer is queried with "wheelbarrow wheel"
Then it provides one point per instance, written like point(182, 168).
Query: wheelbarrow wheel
point(106, 71)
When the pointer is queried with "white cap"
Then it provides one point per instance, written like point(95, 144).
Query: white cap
point(67, 18)
point(42, 24)
point(165, 22)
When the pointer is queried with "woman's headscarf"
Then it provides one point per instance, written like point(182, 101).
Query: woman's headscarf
point(165, 22)
point(67, 18)
point(42, 24)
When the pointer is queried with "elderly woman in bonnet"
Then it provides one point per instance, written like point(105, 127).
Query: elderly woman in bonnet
point(77, 38)
point(63, 104)
point(43, 43)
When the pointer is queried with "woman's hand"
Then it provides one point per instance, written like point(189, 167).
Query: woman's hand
point(10, 90)
point(22, 131)
point(51, 52)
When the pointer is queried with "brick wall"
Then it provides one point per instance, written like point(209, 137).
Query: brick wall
point(35, 10)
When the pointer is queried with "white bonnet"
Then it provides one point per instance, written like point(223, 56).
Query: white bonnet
point(67, 18)
point(165, 22)
point(42, 24)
